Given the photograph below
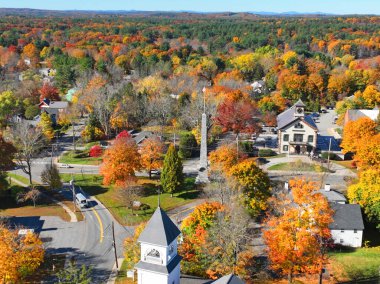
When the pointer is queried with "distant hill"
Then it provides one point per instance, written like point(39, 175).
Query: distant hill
point(164, 14)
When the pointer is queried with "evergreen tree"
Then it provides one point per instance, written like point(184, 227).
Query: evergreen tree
point(172, 175)
point(74, 274)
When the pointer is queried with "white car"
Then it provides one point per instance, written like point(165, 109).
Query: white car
point(66, 166)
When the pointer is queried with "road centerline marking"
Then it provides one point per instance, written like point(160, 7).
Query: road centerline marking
point(100, 223)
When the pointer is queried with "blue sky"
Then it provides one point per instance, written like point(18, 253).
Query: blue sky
point(327, 6)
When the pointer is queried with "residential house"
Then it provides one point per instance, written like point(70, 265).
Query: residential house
point(347, 228)
point(297, 132)
point(355, 114)
point(53, 108)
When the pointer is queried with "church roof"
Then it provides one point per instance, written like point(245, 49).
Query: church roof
point(229, 279)
point(160, 230)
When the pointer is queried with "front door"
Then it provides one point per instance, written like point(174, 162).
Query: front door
point(298, 149)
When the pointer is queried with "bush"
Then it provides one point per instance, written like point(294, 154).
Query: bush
point(187, 145)
point(96, 151)
point(266, 153)
point(247, 147)
point(325, 155)
point(31, 111)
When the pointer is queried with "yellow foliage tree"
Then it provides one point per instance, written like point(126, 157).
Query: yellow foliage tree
point(151, 154)
point(19, 256)
point(46, 126)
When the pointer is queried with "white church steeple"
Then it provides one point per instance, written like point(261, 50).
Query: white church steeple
point(159, 262)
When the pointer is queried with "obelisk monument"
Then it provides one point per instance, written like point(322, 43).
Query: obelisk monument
point(203, 164)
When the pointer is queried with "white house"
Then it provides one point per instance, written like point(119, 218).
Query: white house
point(159, 262)
point(347, 228)
point(297, 133)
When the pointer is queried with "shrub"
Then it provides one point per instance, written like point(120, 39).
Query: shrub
point(266, 153)
point(96, 151)
point(247, 147)
point(123, 134)
point(31, 111)
point(325, 155)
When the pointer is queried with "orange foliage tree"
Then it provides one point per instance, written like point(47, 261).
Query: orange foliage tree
point(298, 234)
point(224, 157)
point(151, 154)
point(357, 131)
point(368, 153)
point(121, 161)
point(19, 256)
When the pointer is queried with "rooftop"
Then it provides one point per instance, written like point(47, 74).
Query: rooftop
point(160, 230)
point(347, 217)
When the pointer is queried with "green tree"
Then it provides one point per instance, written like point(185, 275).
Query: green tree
point(50, 175)
point(75, 275)
point(8, 105)
point(172, 175)
point(187, 145)
point(7, 153)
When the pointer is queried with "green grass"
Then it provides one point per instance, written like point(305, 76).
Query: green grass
point(275, 157)
point(79, 157)
point(356, 263)
point(122, 275)
point(346, 164)
point(110, 197)
point(297, 166)
point(19, 178)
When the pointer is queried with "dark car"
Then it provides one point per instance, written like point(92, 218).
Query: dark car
point(315, 114)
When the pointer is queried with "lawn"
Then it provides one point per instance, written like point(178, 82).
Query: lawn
point(111, 197)
point(355, 264)
point(275, 157)
point(79, 157)
point(44, 207)
point(19, 178)
point(122, 275)
point(298, 166)
point(347, 164)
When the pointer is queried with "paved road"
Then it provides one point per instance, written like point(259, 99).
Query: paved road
point(88, 242)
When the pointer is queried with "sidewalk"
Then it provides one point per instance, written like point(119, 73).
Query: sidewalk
point(73, 217)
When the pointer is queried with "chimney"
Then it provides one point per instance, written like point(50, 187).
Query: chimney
point(327, 187)
point(286, 186)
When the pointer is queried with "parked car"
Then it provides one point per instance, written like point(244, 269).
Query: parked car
point(66, 166)
point(155, 172)
point(81, 200)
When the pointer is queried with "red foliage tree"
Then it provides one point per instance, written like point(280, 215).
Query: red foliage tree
point(49, 92)
point(237, 115)
point(123, 134)
point(96, 151)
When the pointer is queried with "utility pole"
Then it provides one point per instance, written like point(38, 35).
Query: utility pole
point(114, 244)
point(328, 156)
point(51, 156)
point(73, 125)
point(72, 185)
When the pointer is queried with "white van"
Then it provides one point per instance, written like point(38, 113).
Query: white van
point(81, 200)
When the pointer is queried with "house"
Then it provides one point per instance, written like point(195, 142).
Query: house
point(355, 114)
point(141, 136)
point(347, 228)
point(53, 108)
point(297, 132)
point(333, 196)
point(159, 262)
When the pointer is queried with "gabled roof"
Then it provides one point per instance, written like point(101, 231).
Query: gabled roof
point(229, 279)
point(46, 103)
point(299, 103)
point(347, 217)
point(140, 137)
point(355, 114)
point(160, 230)
point(333, 196)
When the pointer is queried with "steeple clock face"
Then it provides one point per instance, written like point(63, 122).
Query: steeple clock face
point(300, 110)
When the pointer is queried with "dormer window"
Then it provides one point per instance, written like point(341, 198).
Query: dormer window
point(298, 125)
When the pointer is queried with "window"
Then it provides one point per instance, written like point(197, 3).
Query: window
point(285, 148)
point(342, 231)
point(298, 137)
point(355, 231)
point(341, 241)
point(310, 138)
point(154, 253)
point(286, 137)
point(298, 125)
point(171, 249)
